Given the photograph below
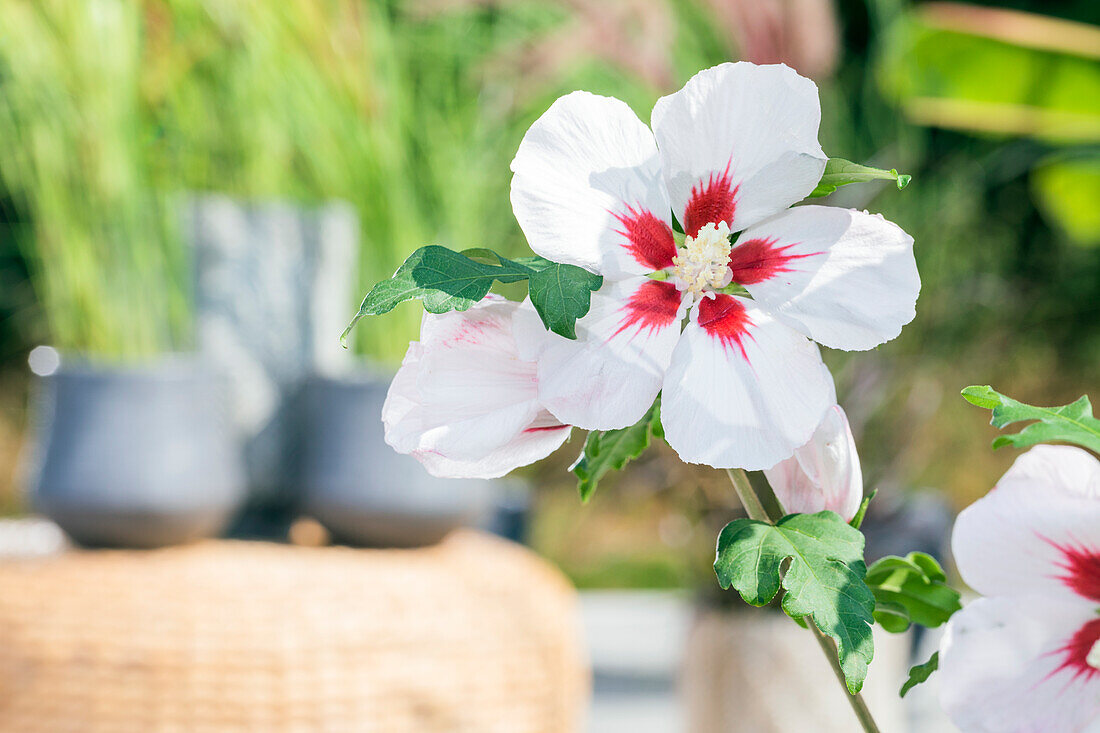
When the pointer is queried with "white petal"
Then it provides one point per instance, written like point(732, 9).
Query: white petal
point(847, 279)
point(1038, 530)
point(824, 473)
point(538, 440)
point(587, 188)
point(739, 143)
point(464, 402)
point(609, 376)
point(743, 390)
point(1005, 667)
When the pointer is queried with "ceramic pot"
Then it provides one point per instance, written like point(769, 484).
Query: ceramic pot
point(358, 487)
point(274, 287)
point(134, 457)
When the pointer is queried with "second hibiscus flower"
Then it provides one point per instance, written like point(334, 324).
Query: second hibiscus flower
point(722, 325)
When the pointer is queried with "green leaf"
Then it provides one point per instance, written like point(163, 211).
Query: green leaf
point(920, 673)
point(445, 280)
point(840, 172)
point(442, 279)
point(562, 294)
point(892, 617)
point(611, 450)
point(1072, 423)
point(824, 578)
point(857, 520)
point(911, 589)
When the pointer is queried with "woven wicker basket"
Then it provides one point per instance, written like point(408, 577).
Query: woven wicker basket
point(474, 634)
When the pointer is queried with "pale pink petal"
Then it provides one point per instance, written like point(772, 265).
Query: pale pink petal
point(738, 144)
point(533, 443)
point(463, 402)
point(743, 390)
point(847, 279)
point(1019, 665)
point(609, 376)
point(587, 188)
point(822, 474)
point(1038, 530)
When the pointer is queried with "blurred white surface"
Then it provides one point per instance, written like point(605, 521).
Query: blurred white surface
point(636, 641)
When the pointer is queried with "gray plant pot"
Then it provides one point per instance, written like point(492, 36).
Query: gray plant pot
point(135, 457)
point(359, 488)
point(274, 287)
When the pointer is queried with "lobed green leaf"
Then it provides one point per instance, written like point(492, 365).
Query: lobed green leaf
point(445, 280)
point(1072, 423)
point(840, 172)
point(911, 589)
point(562, 294)
point(611, 450)
point(920, 673)
point(823, 578)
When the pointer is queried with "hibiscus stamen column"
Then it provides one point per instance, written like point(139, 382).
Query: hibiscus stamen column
point(755, 508)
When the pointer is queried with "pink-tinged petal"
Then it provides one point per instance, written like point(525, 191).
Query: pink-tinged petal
point(847, 279)
point(1019, 665)
point(609, 376)
point(739, 143)
point(743, 390)
point(544, 436)
point(823, 474)
point(464, 402)
point(1038, 530)
point(587, 188)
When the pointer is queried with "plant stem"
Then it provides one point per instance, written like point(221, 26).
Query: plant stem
point(754, 507)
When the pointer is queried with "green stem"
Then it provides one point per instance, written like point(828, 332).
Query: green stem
point(754, 507)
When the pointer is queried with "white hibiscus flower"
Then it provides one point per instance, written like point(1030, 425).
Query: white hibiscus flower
point(464, 403)
point(743, 384)
point(1026, 658)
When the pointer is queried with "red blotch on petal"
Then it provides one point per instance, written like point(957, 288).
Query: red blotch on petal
point(1081, 568)
point(654, 305)
point(725, 318)
point(649, 239)
point(1076, 651)
point(758, 260)
point(545, 428)
point(711, 202)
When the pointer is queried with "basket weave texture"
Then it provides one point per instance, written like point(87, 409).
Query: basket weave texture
point(475, 634)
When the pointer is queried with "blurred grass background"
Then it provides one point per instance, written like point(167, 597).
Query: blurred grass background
point(411, 110)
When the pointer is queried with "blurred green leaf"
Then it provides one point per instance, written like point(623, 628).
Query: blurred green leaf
point(1072, 423)
point(840, 172)
point(1067, 191)
point(939, 65)
point(920, 673)
point(824, 578)
point(611, 450)
point(911, 589)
